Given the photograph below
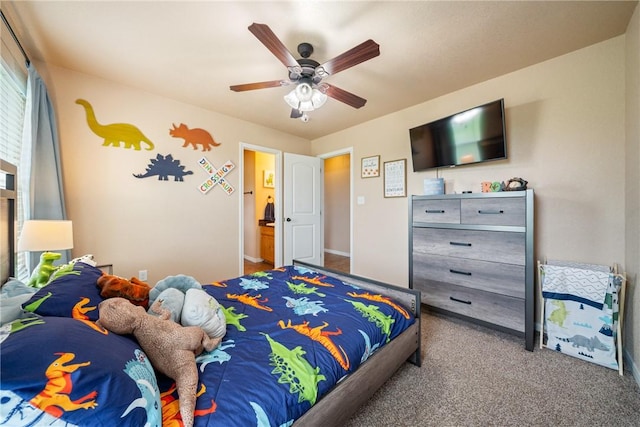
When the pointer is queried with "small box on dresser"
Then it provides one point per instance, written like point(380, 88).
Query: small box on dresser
point(472, 255)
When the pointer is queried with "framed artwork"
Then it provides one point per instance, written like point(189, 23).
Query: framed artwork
point(269, 179)
point(370, 167)
point(395, 178)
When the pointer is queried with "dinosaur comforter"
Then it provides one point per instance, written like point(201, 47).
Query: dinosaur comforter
point(292, 334)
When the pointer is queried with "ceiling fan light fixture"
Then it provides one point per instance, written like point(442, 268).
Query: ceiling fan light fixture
point(304, 91)
point(306, 106)
point(305, 98)
point(318, 98)
point(292, 99)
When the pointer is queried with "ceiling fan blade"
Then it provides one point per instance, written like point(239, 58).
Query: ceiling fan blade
point(363, 52)
point(343, 96)
point(259, 85)
point(295, 113)
point(273, 43)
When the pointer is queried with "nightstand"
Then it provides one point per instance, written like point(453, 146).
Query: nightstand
point(108, 267)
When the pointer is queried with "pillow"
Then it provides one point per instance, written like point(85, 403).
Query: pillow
point(78, 373)
point(12, 295)
point(74, 294)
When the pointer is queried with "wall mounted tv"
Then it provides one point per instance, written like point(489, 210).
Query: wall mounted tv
point(472, 136)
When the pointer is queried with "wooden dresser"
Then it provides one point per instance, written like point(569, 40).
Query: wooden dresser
point(267, 243)
point(472, 255)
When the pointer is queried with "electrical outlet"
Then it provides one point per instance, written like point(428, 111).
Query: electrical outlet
point(142, 275)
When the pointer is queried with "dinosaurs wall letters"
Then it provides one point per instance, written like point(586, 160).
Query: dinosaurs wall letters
point(216, 176)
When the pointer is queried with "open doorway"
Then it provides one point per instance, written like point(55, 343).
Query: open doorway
point(337, 210)
point(259, 206)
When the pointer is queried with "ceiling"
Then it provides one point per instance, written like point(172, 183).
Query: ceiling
point(192, 51)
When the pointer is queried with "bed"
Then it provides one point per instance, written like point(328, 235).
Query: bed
point(305, 346)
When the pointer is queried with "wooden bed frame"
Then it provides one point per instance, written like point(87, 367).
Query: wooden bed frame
point(336, 407)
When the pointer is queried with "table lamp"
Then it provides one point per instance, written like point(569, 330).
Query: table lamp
point(46, 235)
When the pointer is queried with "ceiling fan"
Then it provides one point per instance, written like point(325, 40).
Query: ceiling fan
point(307, 75)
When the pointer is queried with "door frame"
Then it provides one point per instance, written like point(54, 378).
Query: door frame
point(336, 153)
point(277, 232)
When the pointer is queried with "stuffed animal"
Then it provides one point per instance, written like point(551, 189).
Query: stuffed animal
point(180, 282)
point(134, 290)
point(87, 259)
point(189, 304)
point(171, 348)
point(201, 309)
point(43, 271)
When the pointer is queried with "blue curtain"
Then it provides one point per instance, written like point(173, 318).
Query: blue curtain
point(42, 153)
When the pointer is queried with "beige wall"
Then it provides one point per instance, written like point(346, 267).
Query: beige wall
point(632, 193)
point(166, 228)
point(566, 136)
point(336, 204)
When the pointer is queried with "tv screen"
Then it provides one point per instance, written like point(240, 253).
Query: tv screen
point(472, 136)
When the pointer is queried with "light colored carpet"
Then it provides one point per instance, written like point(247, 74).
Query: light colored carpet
point(475, 376)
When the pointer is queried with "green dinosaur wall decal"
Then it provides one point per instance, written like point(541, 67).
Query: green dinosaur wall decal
point(115, 133)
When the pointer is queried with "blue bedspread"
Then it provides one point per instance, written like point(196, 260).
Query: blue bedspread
point(292, 335)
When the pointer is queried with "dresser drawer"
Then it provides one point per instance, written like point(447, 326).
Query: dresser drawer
point(506, 279)
point(496, 246)
point(442, 211)
point(500, 310)
point(494, 211)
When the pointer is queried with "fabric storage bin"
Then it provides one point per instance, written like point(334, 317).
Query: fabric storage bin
point(581, 311)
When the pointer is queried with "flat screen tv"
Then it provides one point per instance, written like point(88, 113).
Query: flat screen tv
point(472, 136)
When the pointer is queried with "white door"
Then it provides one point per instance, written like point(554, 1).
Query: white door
point(303, 236)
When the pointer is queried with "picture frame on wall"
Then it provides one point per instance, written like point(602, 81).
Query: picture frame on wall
point(395, 178)
point(370, 167)
point(269, 179)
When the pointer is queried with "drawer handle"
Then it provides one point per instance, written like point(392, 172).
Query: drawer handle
point(460, 244)
point(464, 273)
point(481, 212)
point(460, 300)
point(434, 211)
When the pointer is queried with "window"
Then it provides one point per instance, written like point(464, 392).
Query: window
point(13, 89)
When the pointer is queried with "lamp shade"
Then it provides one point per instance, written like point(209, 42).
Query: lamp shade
point(46, 235)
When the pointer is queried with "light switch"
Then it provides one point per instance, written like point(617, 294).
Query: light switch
point(361, 200)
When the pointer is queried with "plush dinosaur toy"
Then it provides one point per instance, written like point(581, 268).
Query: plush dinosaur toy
point(134, 290)
point(43, 271)
point(171, 348)
point(189, 304)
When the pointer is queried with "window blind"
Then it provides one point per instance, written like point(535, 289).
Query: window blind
point(12, 109)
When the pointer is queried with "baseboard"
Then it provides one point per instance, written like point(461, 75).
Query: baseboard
point(252, 259)
point(631, 365)
point(333, 251)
